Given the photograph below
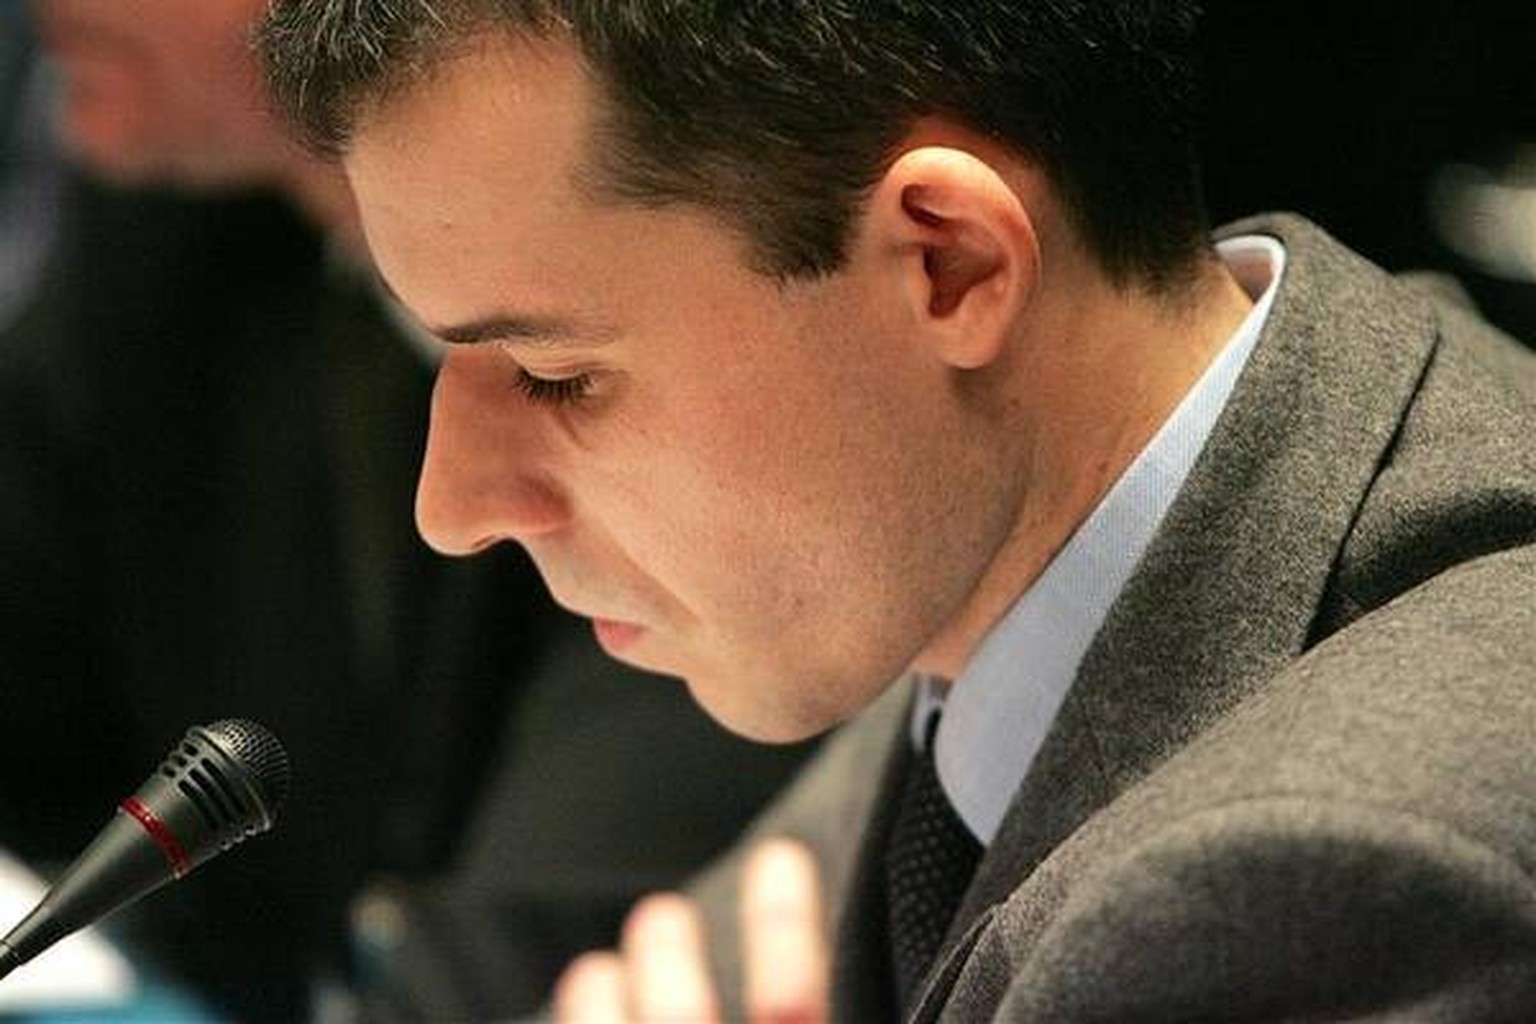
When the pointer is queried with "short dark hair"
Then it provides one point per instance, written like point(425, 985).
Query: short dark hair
point(780, 114)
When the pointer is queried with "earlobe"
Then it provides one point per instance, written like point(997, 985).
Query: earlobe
point(967, 246)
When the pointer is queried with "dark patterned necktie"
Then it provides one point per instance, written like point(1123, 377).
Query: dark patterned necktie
point(929, 861)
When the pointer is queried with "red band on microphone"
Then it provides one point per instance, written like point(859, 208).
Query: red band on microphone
point(156, 830)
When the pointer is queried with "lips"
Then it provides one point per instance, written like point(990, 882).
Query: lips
point(615, 637)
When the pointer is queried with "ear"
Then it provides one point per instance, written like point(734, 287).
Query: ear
point(965, 246)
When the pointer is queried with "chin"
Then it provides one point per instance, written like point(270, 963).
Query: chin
point(756, 716)
point(126, 162)
point(106, 143)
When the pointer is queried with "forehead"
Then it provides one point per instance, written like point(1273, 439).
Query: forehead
point(486, 149)
point(519, 106)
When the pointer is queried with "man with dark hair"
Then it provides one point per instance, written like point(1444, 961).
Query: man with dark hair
point(811, 346)
point(210, 426)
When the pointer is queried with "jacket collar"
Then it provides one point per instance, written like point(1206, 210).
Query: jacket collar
point(1229, 588)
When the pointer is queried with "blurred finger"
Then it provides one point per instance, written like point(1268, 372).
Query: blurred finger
point(783, 942)
point(591, 991)
point(667, 960)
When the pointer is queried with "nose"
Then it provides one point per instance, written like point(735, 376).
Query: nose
point(484, 478)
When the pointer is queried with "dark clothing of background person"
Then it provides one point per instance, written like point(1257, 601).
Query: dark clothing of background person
point(208, 445)
point(30, 175)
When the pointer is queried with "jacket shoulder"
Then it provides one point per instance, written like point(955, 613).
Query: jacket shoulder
point(1289, 908)
point(1357, 838)
point(1459, 480)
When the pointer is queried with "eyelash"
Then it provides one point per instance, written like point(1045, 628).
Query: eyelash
point(565, 391)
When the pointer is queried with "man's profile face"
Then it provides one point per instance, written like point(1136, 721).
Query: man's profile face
point(161, 89)
point(752, 486)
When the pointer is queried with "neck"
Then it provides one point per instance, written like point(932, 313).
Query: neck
point(1098, 372)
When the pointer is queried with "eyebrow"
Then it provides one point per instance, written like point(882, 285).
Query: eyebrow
point(542, 332)
point(528, 330)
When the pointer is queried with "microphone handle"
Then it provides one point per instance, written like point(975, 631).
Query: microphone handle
point(222, 783)
point(9, 959)
point(117, 868)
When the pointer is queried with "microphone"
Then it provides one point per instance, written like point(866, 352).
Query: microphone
point(222, 783)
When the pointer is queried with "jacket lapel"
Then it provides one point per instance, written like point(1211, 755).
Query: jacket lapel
point(839, 807)
point(1229, 587)
point(862, 985)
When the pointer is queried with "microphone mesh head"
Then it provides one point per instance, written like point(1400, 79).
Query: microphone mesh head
point(254, 746)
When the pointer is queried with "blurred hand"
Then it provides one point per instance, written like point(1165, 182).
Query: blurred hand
point(661, 970)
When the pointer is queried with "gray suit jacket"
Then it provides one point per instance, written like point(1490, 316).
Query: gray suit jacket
point(1295, 778)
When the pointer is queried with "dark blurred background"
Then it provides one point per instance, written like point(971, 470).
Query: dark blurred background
point(1406, 129)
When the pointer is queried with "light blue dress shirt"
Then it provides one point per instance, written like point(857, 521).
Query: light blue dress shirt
point(997, 714)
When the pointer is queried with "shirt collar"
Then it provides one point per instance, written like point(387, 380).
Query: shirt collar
point(997, 714)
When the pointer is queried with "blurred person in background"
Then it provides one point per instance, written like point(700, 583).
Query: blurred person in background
point(1213, 558)
point(210, 425)
point(29, 174)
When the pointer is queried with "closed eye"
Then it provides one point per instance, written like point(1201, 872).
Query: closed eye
point(546, 391)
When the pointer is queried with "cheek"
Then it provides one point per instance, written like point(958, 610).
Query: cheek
point(710, 489)
point(765, 463)
point(214, 84)
point(105, 105)
point(776, 497)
